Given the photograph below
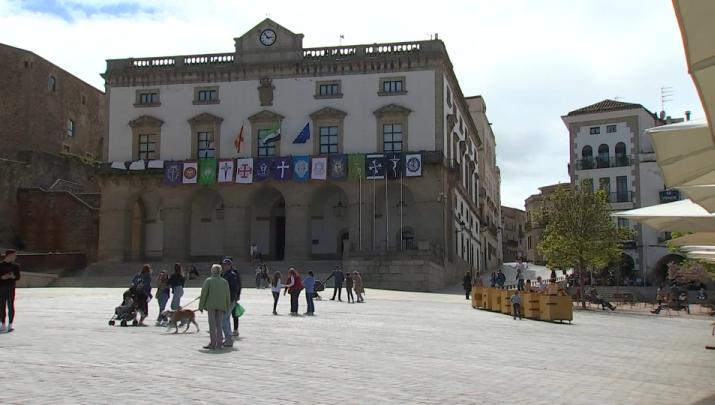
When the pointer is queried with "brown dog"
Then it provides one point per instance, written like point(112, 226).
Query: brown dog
point(175, 317)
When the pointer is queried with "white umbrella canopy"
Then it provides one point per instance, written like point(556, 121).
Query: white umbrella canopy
point(681, 216)
point(697, 27)
point(695, 239)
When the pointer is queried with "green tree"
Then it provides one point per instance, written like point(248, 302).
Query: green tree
point(580, 232)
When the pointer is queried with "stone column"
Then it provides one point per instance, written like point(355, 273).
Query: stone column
point(236, 234)
point(176, 233)
point(297, 236)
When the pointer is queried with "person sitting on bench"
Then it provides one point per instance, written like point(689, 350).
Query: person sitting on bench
point(596, 299)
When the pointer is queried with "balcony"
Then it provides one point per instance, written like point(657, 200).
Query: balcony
point(622, 197)
point(604, 162)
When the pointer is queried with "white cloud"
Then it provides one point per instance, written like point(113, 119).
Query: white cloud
point(532, 61)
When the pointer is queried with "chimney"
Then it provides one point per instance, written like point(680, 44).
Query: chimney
point(687, 116)
point(436, 36)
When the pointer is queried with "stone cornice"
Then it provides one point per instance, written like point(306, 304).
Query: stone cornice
point(205, 118)
point(328, 112)
point(391, 109)
point(265, 115)
point(146, 121)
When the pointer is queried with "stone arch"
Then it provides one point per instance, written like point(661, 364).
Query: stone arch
point(587, 152)
point(206, 224)
point(144, 235)
point(267, 218)
point(329, 220)
point(660, 270)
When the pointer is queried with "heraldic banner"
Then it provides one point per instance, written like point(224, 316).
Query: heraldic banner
point(207, 171)
point(191, 172)
point(301, 168)
point(244, 170)
point(173, 173)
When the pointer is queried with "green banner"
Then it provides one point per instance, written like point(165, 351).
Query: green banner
point(207, 171)
point(356, 166)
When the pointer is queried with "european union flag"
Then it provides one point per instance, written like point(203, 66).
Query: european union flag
point(304, 135)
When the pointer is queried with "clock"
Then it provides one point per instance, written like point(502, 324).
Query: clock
point(268, 37)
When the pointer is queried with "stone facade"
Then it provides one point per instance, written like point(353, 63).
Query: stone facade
point(513, 234)
point(358, 91)
point(53, 130)
point(534, 228)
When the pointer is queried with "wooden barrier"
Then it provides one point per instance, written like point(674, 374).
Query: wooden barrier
point(476, 296)
point(555, 308)
point(530, 305)
point(506, 301)
point(485, 298)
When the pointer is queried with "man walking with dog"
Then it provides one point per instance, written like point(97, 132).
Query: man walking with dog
point(234, 284)
point(9, 275)
point(216, 299)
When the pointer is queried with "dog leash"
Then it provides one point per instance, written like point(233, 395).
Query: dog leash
point(190, 302)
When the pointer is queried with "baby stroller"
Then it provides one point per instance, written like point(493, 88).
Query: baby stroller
point(319, 286)
point(127, 311)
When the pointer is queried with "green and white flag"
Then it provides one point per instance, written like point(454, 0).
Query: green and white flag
point(273, 134)
point(356, 166)
point(207, 171)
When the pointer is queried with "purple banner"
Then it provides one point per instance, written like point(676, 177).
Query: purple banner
point(173, 173)
point(262, 168)
point(283, 168)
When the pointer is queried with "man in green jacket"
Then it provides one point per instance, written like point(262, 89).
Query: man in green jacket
point(216, 299)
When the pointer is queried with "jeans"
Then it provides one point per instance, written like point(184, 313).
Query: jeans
point(276, 295)
point(338, 290)
point(309, 301)
point(520, 284)
point(466, 293)
point(294, 301)
point(349, 290)
point(162, 298)
point(7, 299)
point(176, 298)
point(226, 324)
point(215, 320)
point(516, 311)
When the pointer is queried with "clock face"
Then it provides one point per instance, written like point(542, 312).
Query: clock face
point(268, 37)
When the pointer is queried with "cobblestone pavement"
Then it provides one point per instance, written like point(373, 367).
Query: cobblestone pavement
point(398, 347)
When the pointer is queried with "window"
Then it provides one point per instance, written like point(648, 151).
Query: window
point(328, 140)
point(461, 125)
point(70, 128)
point(595, 130)
point(268, 149)
point(586, 158)
point(622, 194)
point(147, 147)
point(147, 98)
point(392, 136)
point(610, 129)
point(52, 84)
point(621, 157)
point(390, 86)
point(206, 95)
point(587, 185)
point(206, 148)
point(329, 89)
point(604, 183)
point(622, 223)
point(603, 160)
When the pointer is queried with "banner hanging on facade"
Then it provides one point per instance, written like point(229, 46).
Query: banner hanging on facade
point(191, 172)
point(413, 164)
point(338, 167)
point(225, 171)
point(301, 168)
point(173, 173)
point(394, 165)
point(319, 168)
point(207, 171)
point(356, 166)
point(374, 167)
point(262, 169)
point(244, 170)
point(283, 168)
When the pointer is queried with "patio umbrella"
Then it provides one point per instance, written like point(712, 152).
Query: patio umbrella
point(682, 216)
point(698, 238)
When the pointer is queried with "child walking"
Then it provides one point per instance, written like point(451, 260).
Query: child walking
point(516, 304)
point(276, 286)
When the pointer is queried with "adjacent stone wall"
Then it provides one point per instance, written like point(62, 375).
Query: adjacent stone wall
point(57, 221)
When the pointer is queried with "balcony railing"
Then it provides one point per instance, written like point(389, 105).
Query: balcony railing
point(604, 162)
point(622, 197)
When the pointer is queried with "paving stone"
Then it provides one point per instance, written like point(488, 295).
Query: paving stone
point(398, 347)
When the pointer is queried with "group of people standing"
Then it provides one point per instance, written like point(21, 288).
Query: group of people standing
point(166, 287)
point(353, 282)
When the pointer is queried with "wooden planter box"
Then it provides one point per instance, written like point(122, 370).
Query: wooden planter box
point(555, 308)
point(530, 305)
point(476, 297)
point(494, 299)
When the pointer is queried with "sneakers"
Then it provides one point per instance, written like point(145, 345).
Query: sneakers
point(209, 347)
point(227, 344)
point(275, 313)
point(2, 328)
point(235, 333)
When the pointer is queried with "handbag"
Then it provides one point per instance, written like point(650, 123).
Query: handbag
point(238, 310)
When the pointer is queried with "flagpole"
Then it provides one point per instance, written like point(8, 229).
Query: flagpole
point(374, 212)
point(402, 208)
point(360, 210)
point(387, 218)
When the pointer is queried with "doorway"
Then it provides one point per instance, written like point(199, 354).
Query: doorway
point(280, 237)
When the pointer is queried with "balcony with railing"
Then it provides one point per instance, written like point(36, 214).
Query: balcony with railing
point(622, 197)
point(604, 162)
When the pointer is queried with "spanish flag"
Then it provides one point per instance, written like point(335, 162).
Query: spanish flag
point(238, 141)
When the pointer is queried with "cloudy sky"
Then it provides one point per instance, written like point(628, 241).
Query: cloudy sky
point(533, 61)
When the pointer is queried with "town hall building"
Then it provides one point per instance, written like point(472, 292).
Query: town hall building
point(365, 155)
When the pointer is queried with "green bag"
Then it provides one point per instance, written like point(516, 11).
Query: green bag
point(238, 310)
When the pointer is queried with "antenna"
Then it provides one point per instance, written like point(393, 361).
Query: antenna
point(342, 36)
point(666, 95)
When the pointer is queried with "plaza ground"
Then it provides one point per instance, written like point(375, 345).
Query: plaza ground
point(398, 347)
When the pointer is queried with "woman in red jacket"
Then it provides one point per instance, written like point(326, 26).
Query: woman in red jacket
point(294, 286)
